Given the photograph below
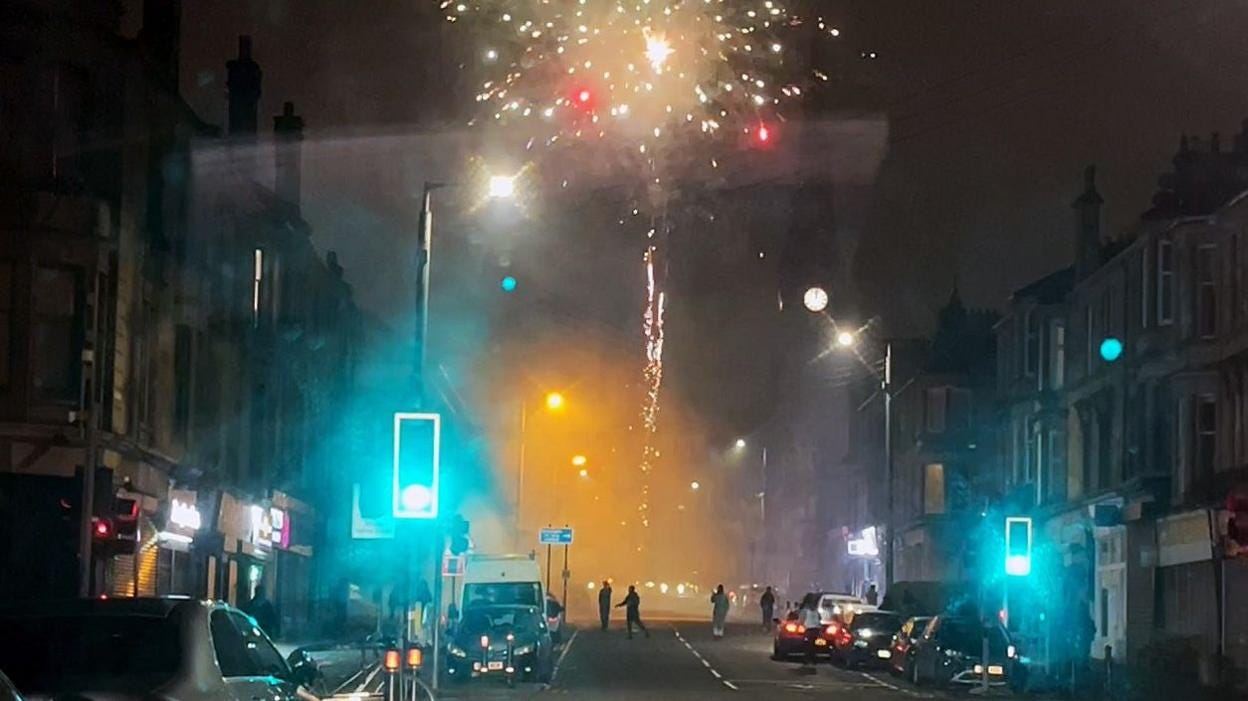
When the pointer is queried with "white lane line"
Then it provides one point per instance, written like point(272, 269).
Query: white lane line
point(369, 680)
point(894, 687)
point(554, 673)
point(705, 663)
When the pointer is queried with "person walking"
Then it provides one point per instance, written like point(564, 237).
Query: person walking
point(632, 611)
point(719, 612)
point(767, 602)
point(873, 595)
point(808, 616)
point(604, 603)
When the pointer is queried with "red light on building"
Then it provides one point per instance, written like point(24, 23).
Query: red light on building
point(102, 528)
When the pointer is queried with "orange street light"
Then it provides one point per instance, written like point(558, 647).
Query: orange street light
point(579, 461)
point(554, 401)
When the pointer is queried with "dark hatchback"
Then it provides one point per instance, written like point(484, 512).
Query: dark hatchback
point(506, 642)
point(866, 639)
point(950, 652)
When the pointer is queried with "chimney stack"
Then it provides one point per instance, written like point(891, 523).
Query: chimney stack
point(162, 22)
point(243, 84)
point(1088, 233)
point(287, 155)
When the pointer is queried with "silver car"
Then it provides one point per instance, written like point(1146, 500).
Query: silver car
point(171, 648)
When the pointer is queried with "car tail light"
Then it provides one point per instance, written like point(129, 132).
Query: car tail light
point(831, 630)
point(391, 661)
point(790, 627)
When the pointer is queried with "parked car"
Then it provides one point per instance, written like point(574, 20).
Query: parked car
point(950, 652)
point(903, 644)
point(507, 642)
point(789, 638)
point(833, 604)
point(8, 692)
point(172, 648)
point(865, 639)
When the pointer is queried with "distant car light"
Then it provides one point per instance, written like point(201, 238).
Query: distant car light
point(1011, 651)
point(884, 654)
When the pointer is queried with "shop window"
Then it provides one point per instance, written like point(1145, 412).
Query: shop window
point(934, 489)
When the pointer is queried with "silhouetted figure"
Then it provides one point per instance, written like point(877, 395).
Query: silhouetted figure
point(767, 602)
point(808, 615)
point(719, 612)
point(604, 604)
point(261, 609)
point(632, 611)
point(873, 595)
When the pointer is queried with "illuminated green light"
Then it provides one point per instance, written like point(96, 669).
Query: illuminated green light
point(1018, 546)
point(1111, 349)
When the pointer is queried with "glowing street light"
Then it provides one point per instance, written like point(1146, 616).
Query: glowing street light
point(579, 461)
point(815, 299)
point(695, 485)
point(740, 444)
point(845, 339)
point(554, 401)
point(502, 187)
point(584, 473)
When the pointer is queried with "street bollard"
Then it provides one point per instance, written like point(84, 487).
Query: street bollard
point(415, 660)
point(390, 663)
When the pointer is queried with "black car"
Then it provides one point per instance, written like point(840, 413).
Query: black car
point(865, 639)
point(950, 652)
point(507, 642)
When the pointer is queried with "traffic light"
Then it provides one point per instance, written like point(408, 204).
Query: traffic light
point(417, 439)
point(508, 284)
point(1111, 349)
point(1018, 546)
point(458, 530)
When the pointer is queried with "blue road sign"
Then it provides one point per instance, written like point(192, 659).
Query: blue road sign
point(555, 536)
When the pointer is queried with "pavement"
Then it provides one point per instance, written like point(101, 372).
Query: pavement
point(680, 660)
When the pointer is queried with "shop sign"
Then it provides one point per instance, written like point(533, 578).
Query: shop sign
point(1184, 538)
point(183, 513)
point(866, 545)
point(269, 526)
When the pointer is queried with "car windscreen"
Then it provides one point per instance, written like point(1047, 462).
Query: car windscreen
point(503, 594)
point(879, 622)
point(966, 636)
point(60, 654)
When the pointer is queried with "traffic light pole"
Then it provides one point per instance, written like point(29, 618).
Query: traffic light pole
point(887, 388)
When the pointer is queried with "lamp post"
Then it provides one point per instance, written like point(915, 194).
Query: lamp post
point(849, 341)
point(554, 402)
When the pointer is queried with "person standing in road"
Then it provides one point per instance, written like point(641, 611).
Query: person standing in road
point(719, 612)
point(604, 603)
point(632, 611)
point(808, 616)
point(767, 602)
point(873, 595)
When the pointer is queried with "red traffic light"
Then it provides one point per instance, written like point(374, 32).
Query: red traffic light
point(763, 134)
point(101, 527)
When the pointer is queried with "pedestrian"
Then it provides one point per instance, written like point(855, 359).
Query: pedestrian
point(767, 602)
point(719, 612)
point(632, 611)
point(604, 603)
point(808, 616)
point(261, 609)
point(873, 595)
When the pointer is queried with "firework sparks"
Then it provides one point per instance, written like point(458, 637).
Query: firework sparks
point(636, 69)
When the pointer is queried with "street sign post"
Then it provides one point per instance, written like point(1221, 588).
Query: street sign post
point(555, 536)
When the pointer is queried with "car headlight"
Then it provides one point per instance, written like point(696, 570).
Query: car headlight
point(524, 649)
point(860, 643)
point(457, 651)
point(952, 653)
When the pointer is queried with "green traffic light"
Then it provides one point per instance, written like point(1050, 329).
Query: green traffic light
point(1111, 349)
point(1018, 546)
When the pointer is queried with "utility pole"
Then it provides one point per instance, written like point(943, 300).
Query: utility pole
point(887, 388)
point(91, 426)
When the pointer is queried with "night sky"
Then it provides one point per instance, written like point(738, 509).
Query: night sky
point(993, 110)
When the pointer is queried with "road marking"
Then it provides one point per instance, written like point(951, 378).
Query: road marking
point(554, 673)
point(364, 684)
point(705, 663)
point(894, 687)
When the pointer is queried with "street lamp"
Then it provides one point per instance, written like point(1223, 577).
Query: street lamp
point(740, 444)
point(849, 341)
point(584, 473)
point(555, 403)
point(579, 460)
point(500, 187)
point(695, 485)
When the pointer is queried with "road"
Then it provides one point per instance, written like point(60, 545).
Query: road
point(681, 661)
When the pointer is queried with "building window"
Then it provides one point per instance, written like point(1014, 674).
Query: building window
point(934, 489)
point(257, 277)
point(1207, 290)
point(1031, 343)
point(1055, 479)
point(1165, 283)
point(182, 381)
point(1206, 438)
point(1057, 353)
point(57, 334)
point(936, 402)
point(1144, 287)
point(1089, 333)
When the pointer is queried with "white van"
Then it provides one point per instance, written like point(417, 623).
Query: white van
point(510, 580)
